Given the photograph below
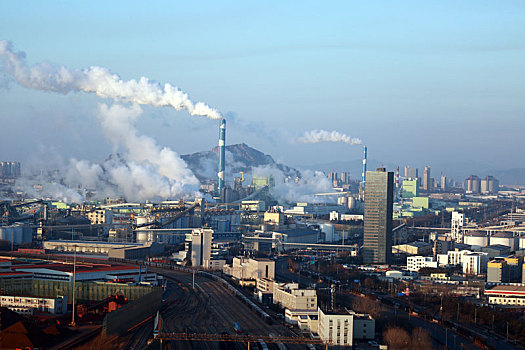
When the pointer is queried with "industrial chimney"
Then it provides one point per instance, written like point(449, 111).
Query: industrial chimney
point(222, 149)
point(363, 175)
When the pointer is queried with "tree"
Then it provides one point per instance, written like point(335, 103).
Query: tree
point(421, 340)
point(368, 306)
point(397, 338)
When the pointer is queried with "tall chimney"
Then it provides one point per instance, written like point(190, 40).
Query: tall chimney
point(222, 149)
point(363, 175)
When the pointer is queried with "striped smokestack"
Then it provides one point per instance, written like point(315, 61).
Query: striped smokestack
point(363, 175)
point(222, 149)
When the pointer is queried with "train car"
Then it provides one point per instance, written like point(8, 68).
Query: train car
point(237, 327)
point(262, 345)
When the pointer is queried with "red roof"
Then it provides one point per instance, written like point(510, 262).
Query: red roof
point(14, 273)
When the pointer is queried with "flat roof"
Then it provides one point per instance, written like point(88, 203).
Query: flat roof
point(507, 289)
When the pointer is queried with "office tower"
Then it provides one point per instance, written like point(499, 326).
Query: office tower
point(426, 179)
point(379, 191)
point(473, 184)
point(411, 173)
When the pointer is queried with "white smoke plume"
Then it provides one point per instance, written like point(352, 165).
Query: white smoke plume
point(145, 169)
point(316, 136)
point(98, 80)
point(293, 190)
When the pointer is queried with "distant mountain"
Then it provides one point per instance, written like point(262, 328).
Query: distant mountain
point(355, 167)
point(239, 157)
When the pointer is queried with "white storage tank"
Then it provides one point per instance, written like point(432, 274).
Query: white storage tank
point(506, 239)
point(476, 239)
point(17, 233)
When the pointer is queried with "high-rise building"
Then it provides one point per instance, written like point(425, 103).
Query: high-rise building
point(443, 182)
point(201, 240)
point(489, 185)
point(379, 192)
point(345, 178)
point(456, 229)
point(411, 173)
point(426, 179)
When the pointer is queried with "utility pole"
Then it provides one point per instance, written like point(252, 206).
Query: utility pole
point(74, 285)
point(193, 282)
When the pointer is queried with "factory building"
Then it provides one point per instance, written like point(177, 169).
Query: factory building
point(505, 239)
point(247, 270)
point(414, 248)
point(91, 247)
point(86, 272)
point(410, 188)
point(17, 233)
point(473, 184)
point(506, 295)
point(29, 305)
point(289, 296)
point(496, 250)
point(476, 239)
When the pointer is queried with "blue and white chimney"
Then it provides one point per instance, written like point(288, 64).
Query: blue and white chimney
point(363, 175)
point(222, 150)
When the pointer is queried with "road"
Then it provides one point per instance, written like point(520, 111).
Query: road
point(211, 308)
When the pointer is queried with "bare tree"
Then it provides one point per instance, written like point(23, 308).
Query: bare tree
point(421, 339)
point(368, 306)
point(396, 338)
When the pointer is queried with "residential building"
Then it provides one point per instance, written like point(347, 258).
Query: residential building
point(474, 263)
point(414, 263)
point(341, 328)
point(379, 189)
point(443, 244)
point(411, 173)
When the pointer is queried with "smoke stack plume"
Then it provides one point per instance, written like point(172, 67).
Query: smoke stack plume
point(316, 136)
point(98, 80)
point(222, 157)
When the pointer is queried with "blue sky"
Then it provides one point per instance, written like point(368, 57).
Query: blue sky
point(420, 82)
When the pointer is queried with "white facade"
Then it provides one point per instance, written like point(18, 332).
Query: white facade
point(201, 246)
point(336, 329)
point(457, 222)
point(28, 305)
point(474, 263)
point(250, 269)
point(414, 263)
point(293, 298)
point(506, 239)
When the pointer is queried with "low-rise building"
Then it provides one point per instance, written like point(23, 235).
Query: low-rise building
point(341, 328)
point(289, 296)
point(414, 248)
point(414, 263)
point(506, 295)
point(247, 269)
point(29, 305)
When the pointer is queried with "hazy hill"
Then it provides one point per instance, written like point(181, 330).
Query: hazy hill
point(239, 157)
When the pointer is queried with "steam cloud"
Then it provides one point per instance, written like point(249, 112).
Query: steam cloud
point(98, 80)
point(316, 136)
point(145, 170)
